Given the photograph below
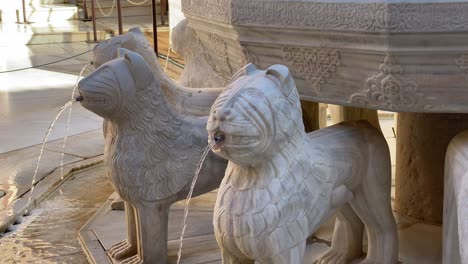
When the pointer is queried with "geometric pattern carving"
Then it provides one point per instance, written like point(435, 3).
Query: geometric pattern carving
point(217, 46)
point(313, 64)
point(388, 89)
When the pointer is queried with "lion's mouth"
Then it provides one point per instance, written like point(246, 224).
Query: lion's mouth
point(90, 99)
point(218, 138)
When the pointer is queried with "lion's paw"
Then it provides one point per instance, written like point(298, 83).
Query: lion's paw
point(122, 250)
point(332, 256)
point(132, 260)
point(369, 261)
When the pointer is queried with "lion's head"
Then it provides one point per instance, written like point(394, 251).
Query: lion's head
point(115, 89)
point(134, 40)
point(256, 115)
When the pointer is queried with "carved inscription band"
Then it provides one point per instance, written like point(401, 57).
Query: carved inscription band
point(349, 16)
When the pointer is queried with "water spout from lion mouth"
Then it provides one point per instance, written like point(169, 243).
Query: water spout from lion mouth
point(218, 138)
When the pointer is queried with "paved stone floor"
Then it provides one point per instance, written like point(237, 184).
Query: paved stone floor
point(30, 99)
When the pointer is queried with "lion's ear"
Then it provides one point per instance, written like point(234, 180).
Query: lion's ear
point(136, 30)
point(246, 70)
point(121, 52)
point(281, 73)
point(129, 41)
point(140, 69)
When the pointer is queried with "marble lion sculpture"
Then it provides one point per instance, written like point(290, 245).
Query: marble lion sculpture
point(151, 152)
point(188, 101)
point(455, 227)
point(282, 183)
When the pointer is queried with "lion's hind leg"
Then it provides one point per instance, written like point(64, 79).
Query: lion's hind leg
point(129, 247)
point(372, 203)
point(347, 238)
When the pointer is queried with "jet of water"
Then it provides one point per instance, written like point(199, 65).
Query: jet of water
point(189, 197)
point(69, 118)
point(46, 137)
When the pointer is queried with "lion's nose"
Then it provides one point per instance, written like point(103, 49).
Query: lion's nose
point(222, 114)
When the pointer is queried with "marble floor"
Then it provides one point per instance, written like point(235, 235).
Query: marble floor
point(30, 97)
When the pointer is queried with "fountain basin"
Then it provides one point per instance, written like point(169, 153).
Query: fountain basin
point(395, 55)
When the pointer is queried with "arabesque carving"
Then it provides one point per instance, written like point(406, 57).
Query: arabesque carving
point(281, 183)
point(388, 89)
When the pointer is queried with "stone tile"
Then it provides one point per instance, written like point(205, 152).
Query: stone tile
point(420, 244)
point(95, 248)
point(32, 104)
point(83, 184)
point(110, 228)
point(203, 202)
point(85, 145)
point(200, 249)
point(17, 168)
point(314, 251)
point(198, 223)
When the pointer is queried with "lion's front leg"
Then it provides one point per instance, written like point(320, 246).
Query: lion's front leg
point(293, 255)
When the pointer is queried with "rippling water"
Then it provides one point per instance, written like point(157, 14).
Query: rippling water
point(49, 234)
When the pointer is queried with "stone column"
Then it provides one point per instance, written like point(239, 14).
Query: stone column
point(422, 141)
point(310, 115)
point(347, 113)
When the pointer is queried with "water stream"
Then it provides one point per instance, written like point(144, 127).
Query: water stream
point(49, 131)
point(44, 141)
point(67, 129)
point(189, 197)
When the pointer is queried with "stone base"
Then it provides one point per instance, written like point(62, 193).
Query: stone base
point(418, 243)
point(107, 227)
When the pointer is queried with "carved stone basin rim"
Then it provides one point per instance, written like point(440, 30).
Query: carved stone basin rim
point(394, 55)
point(344, 15)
